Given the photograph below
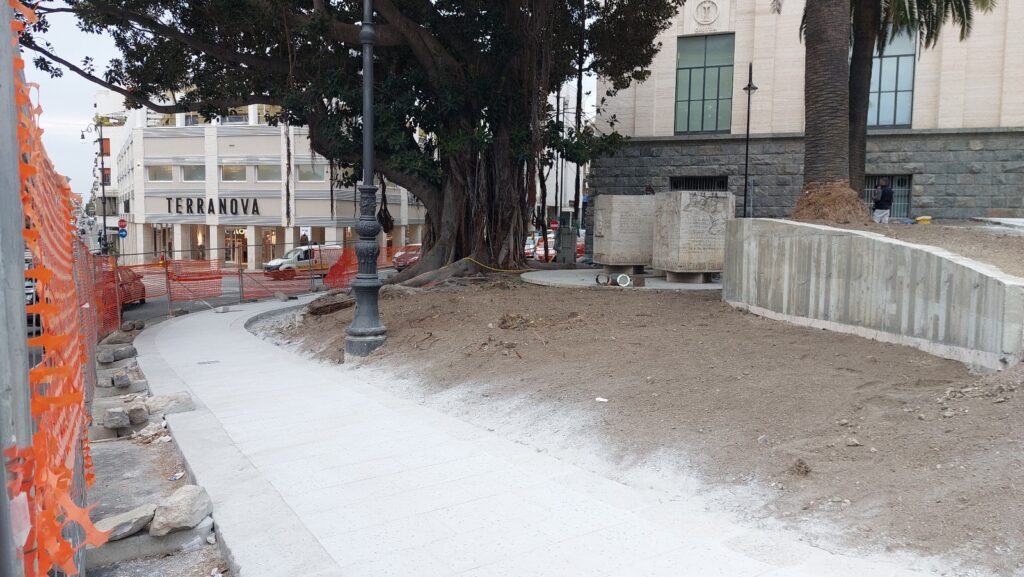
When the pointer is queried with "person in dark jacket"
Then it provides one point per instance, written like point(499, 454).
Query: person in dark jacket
point(883, 202)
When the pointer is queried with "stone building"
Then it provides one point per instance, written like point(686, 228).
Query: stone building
point(947, 123)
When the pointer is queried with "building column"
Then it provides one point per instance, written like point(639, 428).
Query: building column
point(215, 244)
point(334, 235)
point(291, 238)
point(178, 237)
point(251, 251)
point(401, 234)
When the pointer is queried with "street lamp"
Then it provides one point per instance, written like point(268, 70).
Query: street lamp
point(366, 332)
point(750, 89)
point(97, 126)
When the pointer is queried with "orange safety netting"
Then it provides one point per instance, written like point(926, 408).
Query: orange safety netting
point(343, 272)
point(41, 474)
point(194, 279)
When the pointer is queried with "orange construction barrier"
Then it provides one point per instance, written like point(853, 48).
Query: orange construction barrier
point(41, 480)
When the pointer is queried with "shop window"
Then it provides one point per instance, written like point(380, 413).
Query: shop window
point(268, 173)
point(232, 173)
point(193, 173)
point(704, 69)
point(891, 100)
point(312, 172)
point(159, 173)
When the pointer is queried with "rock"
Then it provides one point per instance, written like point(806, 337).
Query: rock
point(151, 430)
point(281, 296)
point(105, 356)
point(126, 524)
point(118, 338)
point(121, 380)
point(139, 324)
point(116, 418)
point(853, 442)
point(183, 509)
point(128, 326)
point(169, 404)
point(329, 303)
point(842, 422)
point(948, 413)
point(763, 439)
point(800, 468)
point(137, 413)
point(125, 352)
point(223, 309)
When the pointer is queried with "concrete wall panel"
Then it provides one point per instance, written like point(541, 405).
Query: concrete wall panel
point(876, 287)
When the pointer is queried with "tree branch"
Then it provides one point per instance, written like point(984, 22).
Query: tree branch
point(162, 108)
point(439, 64)
point(161, 29)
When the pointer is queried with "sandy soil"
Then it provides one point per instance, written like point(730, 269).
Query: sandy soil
point(999, 246)
point(900, 449)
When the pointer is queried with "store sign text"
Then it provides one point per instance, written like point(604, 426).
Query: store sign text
point(222, 206)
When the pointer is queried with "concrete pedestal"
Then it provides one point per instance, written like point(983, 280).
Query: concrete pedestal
point(689, 233)
point(623, 230)
point(689, 277)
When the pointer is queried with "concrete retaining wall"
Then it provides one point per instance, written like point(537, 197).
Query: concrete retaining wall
point(876, 287)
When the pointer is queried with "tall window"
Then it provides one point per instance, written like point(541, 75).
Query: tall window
point(892, 84)
point(704, 83)
point(106, 177)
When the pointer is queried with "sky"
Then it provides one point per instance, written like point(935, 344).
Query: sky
point(67, 102)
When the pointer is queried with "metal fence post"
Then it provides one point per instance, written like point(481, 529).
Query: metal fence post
point(15, 418)
point(241, 290)
point(167, 284)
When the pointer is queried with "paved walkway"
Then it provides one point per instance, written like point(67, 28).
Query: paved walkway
point(315, 471)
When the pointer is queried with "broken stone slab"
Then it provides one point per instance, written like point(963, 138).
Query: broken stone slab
point(136, 387)
point(109, 355)
point(121, 380)
point(128, 523)
point(119, 338)
point(169, 404)
point(145, 545)
point(183, 509)
point(139, 324)
point(137, 413)
point(151, 430)
point(116, 418)
point(328, 304)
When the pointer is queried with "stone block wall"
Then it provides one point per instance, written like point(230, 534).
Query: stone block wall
point(956, 173)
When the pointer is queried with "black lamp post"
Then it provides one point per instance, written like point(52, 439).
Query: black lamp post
point(366, 332)
point(750, 89)
point(98, 127)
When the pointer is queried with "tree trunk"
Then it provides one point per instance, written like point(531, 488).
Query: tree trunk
point(867, 17)
point(827, 93)
point(826, 192)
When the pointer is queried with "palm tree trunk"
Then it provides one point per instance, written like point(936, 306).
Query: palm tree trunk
point(827, 94)
point(867, 17)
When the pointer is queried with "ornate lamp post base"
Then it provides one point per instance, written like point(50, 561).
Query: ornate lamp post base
point(366, 332)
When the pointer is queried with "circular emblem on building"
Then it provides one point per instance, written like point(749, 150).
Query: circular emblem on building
point(706, 12)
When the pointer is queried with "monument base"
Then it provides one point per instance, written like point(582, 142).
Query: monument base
point(623, 269)
point(689, 277)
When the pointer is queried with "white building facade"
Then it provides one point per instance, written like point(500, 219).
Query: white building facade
point(236, 190)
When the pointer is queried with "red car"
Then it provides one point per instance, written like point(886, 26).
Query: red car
point(407, 256)
point(130, 287)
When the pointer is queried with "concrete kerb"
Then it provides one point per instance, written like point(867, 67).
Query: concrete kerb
point(214, 462)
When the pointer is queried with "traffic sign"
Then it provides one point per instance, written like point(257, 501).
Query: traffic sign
point(123, 233)
point(122, 223)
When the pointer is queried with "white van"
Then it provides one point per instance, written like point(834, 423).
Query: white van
point(314, 259)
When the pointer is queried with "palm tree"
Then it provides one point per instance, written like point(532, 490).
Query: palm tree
point(826, 191)
point(875, 22)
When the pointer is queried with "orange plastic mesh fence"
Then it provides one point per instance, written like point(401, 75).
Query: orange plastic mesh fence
point(41, 474)
point(194, 279)
point(108, 310)
point(261, 285)
point(343, 272)
point(151, 277)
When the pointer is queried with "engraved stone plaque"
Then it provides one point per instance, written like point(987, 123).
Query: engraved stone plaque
point(623, 230)
point(689, 233)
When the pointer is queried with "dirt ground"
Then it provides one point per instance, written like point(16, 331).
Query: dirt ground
point(899, 449)
point(999, 246)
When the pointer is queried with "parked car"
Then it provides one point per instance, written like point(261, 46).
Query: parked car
point(314, 259)
point(407, 256)
point(528, 248)
point(581, 247)
point(130, 287)
point(551, 253)
point(31, 319)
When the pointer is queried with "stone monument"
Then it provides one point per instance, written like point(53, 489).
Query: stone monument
point(623, 232)
point(689, 234)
